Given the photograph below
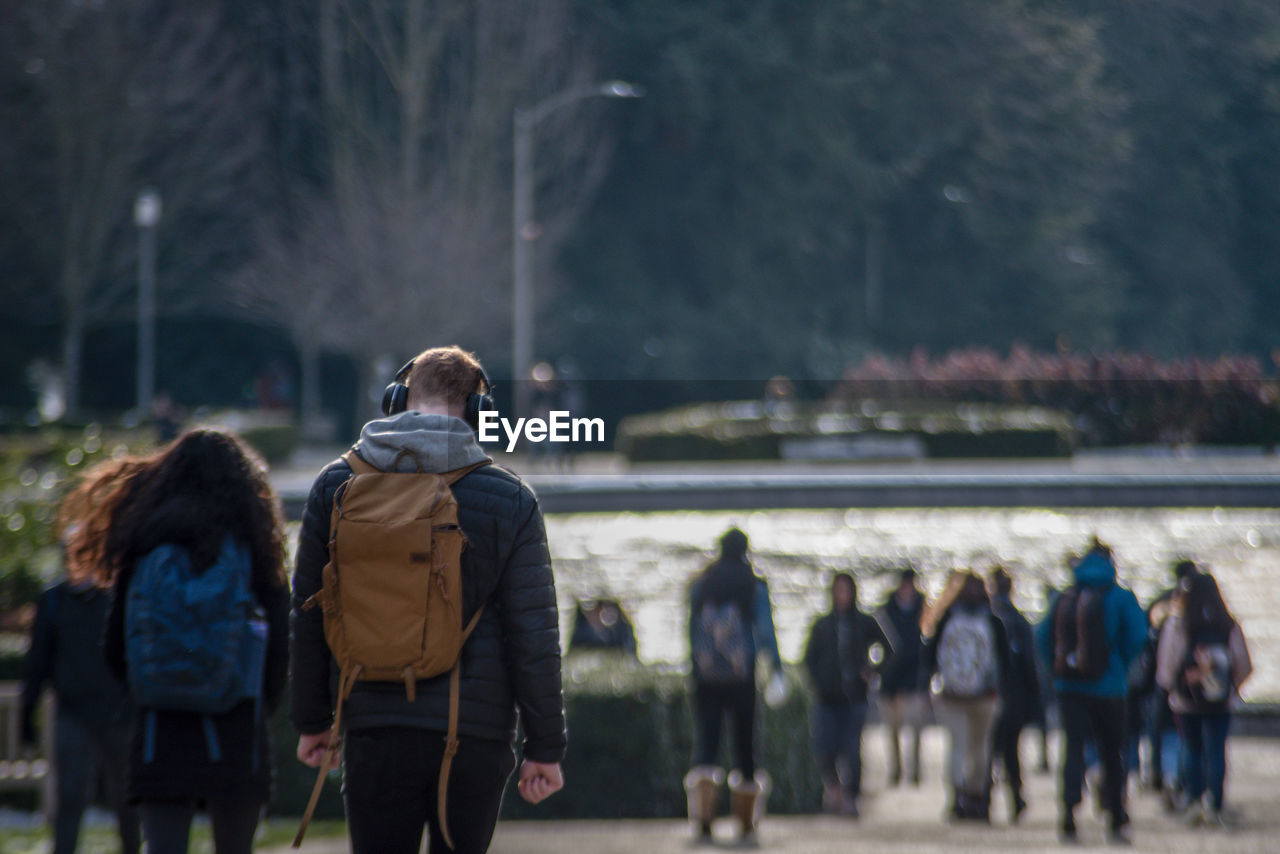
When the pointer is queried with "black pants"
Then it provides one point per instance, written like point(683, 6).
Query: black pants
point(1103, 719)
point(712, 703)
point(389, 784)
point(82, 754)
point(167, 825)
point(1008, 733)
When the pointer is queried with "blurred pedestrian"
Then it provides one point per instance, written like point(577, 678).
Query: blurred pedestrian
point(730, 623)
point(192, 543)
point(1162, 730)
point(1094, 631)
point(903, 705)
point(93, 717)
point(966, 656)
point(602, 624)
point(1020, 694)
point(1202, 662)
point(839, 658)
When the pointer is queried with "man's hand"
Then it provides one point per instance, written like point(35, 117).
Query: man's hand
point(539, 780)
point(312, 748)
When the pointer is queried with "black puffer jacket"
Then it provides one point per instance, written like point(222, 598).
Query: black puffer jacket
point(511, 660)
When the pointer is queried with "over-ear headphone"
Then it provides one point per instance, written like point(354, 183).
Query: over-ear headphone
point(395, 399)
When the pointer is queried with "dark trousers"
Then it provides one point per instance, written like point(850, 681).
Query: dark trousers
point(837, 736)
point(167, 825)
point(1008, 733)
point(389, 784)
point(82, 753)
point(1102, 719)
point(712, 703)
point(1205, 739)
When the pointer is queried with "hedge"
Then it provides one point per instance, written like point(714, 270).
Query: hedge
point(631, 739)
point(630, 743)
point(752, 430)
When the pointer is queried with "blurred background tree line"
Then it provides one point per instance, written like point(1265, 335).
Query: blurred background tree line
point(805, 184)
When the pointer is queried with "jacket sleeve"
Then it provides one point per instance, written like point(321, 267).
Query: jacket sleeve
point(1170, 652)
point(526, 599)
point(929, 656)
point(1241, 663)
point(1004, 653)
point(38, 667)
point(311, 707)
point(274, 599)
point(762, 619)
point(812, 649)
point(113, 633)
point(877, 635)
point(1133, 627)
point(1044, 634)
point(1028, 672)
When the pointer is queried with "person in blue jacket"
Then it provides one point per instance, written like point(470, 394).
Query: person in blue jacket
point(1095, 708)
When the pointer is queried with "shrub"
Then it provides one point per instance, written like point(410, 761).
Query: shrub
point(747, 430)
point(630, 743)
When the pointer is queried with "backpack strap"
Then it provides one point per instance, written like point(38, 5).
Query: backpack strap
point(451, 738)
point(346, 681)
point(358, 465)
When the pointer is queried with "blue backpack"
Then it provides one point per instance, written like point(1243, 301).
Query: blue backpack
point(194, 642)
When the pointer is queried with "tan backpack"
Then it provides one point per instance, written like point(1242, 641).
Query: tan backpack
point(392, 594)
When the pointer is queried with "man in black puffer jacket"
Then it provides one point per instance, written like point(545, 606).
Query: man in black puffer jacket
point(393, 746)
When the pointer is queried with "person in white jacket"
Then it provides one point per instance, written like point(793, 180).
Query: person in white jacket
point(1202, 660)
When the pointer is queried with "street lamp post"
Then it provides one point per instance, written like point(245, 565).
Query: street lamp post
point(524, 229)
point(146, 215)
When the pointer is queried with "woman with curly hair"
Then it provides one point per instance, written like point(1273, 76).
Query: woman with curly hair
point(1202, 660)
point(199, 512)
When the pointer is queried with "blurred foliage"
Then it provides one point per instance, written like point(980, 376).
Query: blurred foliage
point(900, 428)
point(1117, 398)
point(631, 741)
point(803, 184)
point(630, 744)
point(36, 469)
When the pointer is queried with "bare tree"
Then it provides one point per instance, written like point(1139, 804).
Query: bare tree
point(416, 104)
point(120, 96)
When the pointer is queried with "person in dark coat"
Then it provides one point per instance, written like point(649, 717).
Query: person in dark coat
point(93, 719)
point(394, 746)
point(838, 657)
point(730, 625)
point(202, 491)
point(1020, 695)
point(902, 704)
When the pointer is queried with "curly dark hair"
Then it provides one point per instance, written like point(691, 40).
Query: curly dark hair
point(205, 486)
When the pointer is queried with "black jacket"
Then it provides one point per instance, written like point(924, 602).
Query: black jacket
point(900, 672)
point(839, 671)
point(1020, 698)
point(66, 652)
point(181, 767)
point(511, 660)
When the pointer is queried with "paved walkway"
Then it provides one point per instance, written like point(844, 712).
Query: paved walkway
point(909, 820)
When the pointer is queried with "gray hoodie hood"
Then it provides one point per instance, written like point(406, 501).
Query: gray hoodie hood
point(412, 441)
